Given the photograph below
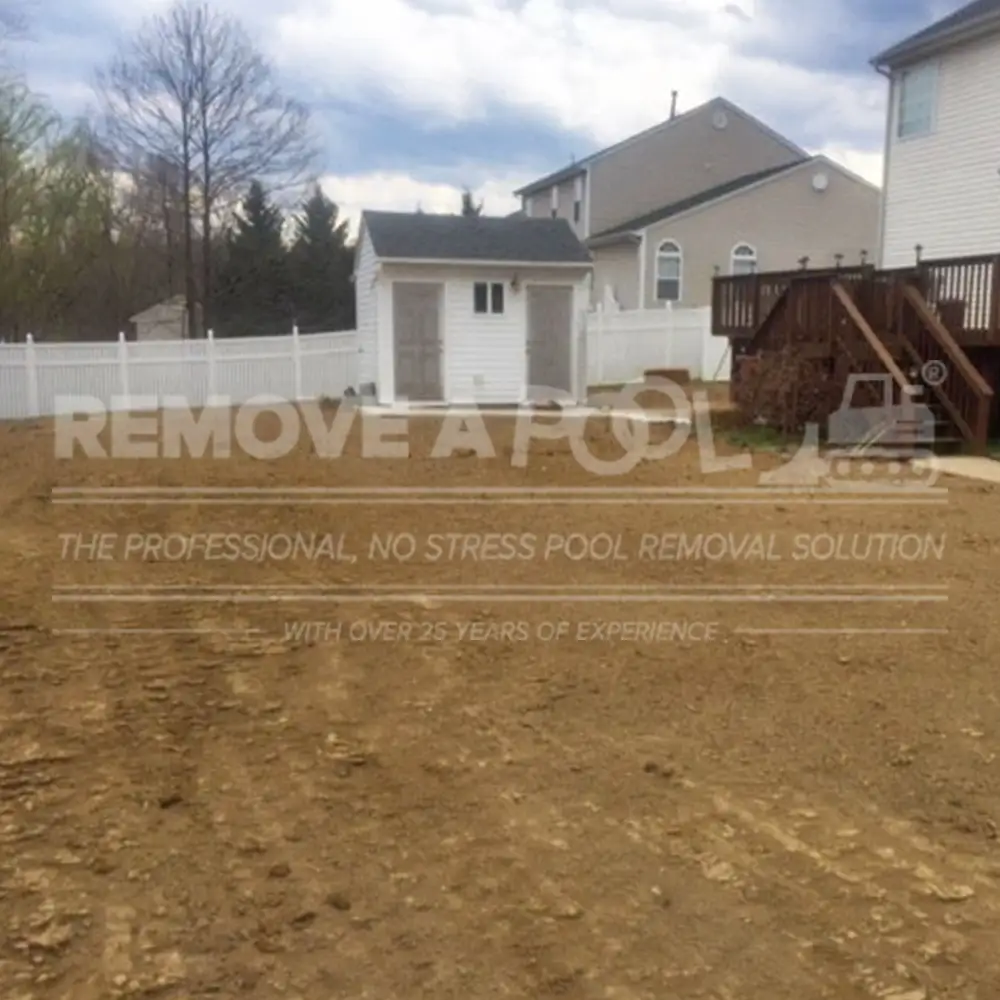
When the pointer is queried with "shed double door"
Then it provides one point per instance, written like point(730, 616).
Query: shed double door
point(550, 337)
point(416, 324)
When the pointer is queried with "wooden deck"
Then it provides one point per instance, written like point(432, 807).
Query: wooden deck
point(965, 292)
point(938, 315)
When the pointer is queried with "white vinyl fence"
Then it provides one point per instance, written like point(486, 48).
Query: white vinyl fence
point(38, 379)
point(622, 344)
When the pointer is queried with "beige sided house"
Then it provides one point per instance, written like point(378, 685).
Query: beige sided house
point(710, 191)
point(942, 145)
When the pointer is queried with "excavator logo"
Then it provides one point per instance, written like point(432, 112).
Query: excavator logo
point(869, 448)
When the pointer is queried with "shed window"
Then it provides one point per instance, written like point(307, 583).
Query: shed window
point(916, 101)
point(487, 297)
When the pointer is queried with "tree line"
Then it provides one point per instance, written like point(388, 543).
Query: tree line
point(192, 176)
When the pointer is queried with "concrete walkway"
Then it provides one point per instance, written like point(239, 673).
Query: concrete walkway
point(986, 470)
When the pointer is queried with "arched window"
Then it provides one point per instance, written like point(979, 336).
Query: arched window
point(743, 259)
point(669, 267)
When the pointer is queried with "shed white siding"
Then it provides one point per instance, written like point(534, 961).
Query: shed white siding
point(943, 189)
point(366, 301)
point(484, 356)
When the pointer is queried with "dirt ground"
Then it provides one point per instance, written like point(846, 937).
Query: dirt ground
point(470, 777)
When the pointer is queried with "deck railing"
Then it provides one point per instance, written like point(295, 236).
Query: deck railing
point(965, 291)
point(741, 302)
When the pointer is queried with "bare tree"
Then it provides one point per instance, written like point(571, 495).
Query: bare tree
point(191, 91)
point(148, 111)
point(247, 129)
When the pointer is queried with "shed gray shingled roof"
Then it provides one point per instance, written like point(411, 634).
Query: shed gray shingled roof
point(964, 19)
point(514, 239)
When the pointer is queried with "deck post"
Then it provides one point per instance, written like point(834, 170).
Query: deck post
point(982, 428)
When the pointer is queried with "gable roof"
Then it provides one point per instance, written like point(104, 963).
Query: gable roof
point(515, 239)
point(580, 166)
point(697, 200)
point(163, 311)
point(719, 192)
point(962, 25)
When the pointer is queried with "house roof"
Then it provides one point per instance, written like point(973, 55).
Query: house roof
point(515, 239)
point(176, 305)
point(964, 23)
point(696, 201)
point(580, 166)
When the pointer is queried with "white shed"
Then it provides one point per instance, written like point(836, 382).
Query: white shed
point(167, 320)
point(469, 310)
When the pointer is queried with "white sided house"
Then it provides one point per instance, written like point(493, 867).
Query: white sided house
point(942, 150)
point(469, 310)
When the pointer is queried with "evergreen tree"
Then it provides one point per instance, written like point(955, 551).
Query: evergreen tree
point(321, 265)
point(469, 207)
point(253, 286)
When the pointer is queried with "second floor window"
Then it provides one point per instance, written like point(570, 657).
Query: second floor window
point(576, 210)
point(669, 266)
point(915, 115)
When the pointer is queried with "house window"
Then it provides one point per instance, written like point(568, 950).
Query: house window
point(487, 298)
point(916, 101)
point(743, 259)
point(576, 211)
point(669, 264)
point(555, 213)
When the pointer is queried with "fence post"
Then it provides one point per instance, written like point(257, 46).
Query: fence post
point(598, 317)
point(671, 334)
point(123, 368)
point(31, 373)
point(297, 360)
point(709, 369)
point(210, 360)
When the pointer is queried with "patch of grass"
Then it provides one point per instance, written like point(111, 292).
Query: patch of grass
point(759, 438)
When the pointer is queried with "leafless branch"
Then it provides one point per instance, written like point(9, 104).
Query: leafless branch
point(192, 92)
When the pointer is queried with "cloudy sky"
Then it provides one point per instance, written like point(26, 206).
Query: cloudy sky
point(415, 98)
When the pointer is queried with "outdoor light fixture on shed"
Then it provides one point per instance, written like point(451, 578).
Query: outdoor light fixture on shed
point(515, 283)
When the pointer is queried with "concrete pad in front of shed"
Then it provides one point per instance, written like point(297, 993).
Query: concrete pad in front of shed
point(986, 470)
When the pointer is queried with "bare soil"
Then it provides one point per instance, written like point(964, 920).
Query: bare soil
point(440, 792)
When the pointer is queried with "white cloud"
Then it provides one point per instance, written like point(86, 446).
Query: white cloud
point(603, 69)
point(584, 68)
point(864, 164)
point(396, 192)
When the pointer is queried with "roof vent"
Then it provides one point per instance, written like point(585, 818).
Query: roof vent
point(820, 182)
point(720, 119)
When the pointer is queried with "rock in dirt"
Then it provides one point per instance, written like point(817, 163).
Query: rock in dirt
point(279, 870)
point(569, 910)
point(952, 893)
point(304, 919)
point(339, 901)
point(663, 770)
